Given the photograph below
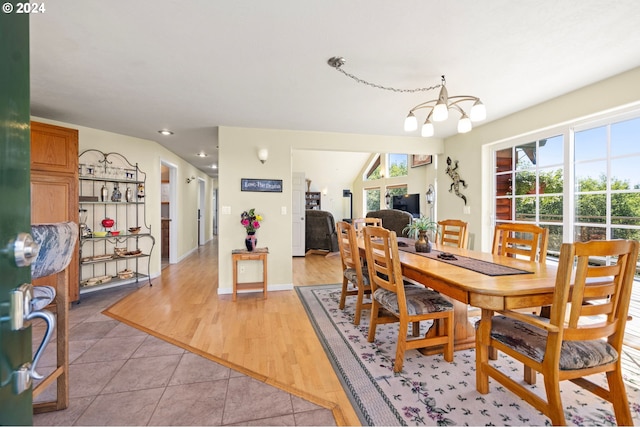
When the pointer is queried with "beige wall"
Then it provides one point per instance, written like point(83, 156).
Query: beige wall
point(148, 154)
point(471, 149)
point(237, 152)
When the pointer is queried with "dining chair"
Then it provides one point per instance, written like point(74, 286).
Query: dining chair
point(528, 242)
point(352, 270)
point(453, 232)
point(360, 223)
point(578, 339)
point(521, 240)
point(393, 300)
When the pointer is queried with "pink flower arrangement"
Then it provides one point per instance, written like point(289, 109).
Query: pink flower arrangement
point(250, 220)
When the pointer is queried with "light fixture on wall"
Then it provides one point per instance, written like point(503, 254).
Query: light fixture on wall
point(191, 179)
point(387, 199)
point(349, 194)
point(439, 112)
point(431, 194)
point(438, 108)
point(263, 155)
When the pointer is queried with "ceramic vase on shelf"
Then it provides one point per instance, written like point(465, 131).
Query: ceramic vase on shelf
point(251, 241)
point(423, 244)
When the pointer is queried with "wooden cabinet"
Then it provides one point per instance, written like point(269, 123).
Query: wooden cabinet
point(312, 200)
point(54, 198)
point(54, 186)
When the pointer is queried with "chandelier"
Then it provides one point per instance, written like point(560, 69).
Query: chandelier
point(438, 108)
point(439, 112)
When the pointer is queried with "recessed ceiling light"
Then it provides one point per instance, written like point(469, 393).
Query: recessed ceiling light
point(214, 166)
point(165, 132)
point(202, 154)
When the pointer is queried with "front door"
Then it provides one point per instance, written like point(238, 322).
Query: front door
point(15, 211)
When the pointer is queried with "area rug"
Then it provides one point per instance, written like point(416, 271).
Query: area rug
point(429, 390)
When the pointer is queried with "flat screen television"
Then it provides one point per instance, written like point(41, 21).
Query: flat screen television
point(409, 203)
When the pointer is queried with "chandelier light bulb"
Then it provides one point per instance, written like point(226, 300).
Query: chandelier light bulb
point(478, 111)
point(440, 112)
point(410, 123)
point(427, 129)
point(464, 125)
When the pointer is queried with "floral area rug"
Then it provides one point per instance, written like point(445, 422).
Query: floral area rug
point(429, 390)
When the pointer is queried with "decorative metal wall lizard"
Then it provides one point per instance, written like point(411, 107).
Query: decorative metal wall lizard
point(455, 176)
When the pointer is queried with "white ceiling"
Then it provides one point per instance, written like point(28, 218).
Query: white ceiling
point(134, 67)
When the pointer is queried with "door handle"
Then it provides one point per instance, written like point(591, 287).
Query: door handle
point(50, 320)
point(23, 249)
point(21, 309)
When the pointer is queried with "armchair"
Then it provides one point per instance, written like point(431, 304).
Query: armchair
point(392, 219)
point(320, 231)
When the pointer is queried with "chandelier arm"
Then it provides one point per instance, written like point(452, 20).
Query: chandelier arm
point(455, 106)
point(424, 105)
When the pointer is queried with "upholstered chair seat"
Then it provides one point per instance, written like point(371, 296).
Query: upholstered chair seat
point(419, 300)
point(531, 340)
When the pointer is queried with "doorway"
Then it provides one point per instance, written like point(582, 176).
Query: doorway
point(168, 212)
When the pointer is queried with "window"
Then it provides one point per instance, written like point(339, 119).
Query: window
point(372, 199)
point(375, 171)
point(395, 190)
point(592, 195)
point(398, 165)
point(536, 168)
point(607, 189)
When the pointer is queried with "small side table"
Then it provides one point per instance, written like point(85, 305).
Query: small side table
point(258, 254)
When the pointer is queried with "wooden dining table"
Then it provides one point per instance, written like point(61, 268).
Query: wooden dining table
point(465, 287)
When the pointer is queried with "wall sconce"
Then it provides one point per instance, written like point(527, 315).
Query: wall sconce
point(190, 179)
point(263, 155)
point(387, 199)
point(431, 195)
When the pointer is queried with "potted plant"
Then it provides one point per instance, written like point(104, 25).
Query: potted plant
point(418, 229)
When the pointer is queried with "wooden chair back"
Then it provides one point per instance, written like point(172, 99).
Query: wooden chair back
point(360, 223)
point(585, 287)
point(348, 244)
point(527, 241)
point(352, 269)
point(385, 271)
point(453, 232)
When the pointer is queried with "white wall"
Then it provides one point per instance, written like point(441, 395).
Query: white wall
point(475, 163)
point(148, 155)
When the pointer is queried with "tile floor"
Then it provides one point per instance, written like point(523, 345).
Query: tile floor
point(122, 376)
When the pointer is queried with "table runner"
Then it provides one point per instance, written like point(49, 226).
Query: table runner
point(479, 266)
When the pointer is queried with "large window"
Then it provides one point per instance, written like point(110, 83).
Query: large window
point(607, 189)
point(598, 185)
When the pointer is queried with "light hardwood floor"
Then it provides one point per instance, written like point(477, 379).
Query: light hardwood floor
point(271, 340)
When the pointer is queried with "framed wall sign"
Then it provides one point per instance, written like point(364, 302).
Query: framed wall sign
point(420, 159)
point(261, 185)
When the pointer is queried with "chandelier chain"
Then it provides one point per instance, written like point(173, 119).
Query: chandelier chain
point(393, 89)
